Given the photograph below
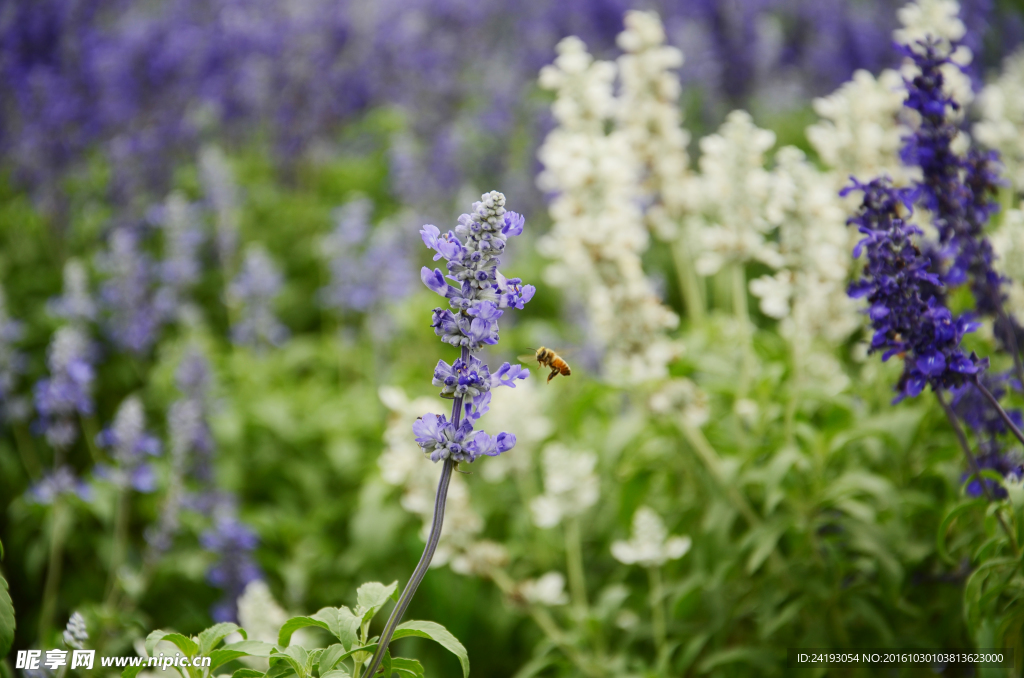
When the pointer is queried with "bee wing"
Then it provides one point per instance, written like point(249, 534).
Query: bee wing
point(526, 357)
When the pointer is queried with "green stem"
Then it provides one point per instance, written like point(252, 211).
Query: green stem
point(120, 541)
point(742, 312)
point(60, 520)
point(794, 392)
point(574, 564)
point(551, 629)
point(27, 451)
point(709, 457)
point(657, 608)
point(690, 284)
point(90, 430)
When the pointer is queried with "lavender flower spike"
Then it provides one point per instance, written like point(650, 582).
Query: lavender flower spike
point(67, 392)
point(906, 310)
point(478, 295)
point(130, 445)
point(253, 293)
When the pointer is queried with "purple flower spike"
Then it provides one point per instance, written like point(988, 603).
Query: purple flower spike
point(907, 311)
point(478, 295)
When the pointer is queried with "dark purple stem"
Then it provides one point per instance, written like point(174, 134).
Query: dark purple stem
point(999, 408)
point(428, 552)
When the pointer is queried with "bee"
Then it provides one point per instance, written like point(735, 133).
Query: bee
point(548, 358)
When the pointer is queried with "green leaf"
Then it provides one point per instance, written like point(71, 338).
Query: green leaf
point(329, 657)
point(132, 671)
point(336, 673)
point(341, 622)
point(438, 634)
point(221, 657)
point(184, 643)
point(954, 513)
point(371, 596)
point(407, 668)
point(764, 543)
point(385, 664)
point(284, 636)
point(7, 622)
point(253, 648)
point(297, 657)
point(247, 673)
point(280, 669)
point(211, 637)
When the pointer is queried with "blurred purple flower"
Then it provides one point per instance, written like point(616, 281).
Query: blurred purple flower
point(67, 392)
point(131, 316)
point(130, 446)
point(60, 481)
point(232, 543)
point(191, 449)
point(368, 266)
point(252, 293)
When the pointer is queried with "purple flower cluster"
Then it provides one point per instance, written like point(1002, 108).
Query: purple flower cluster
point(145, 83)
point(368, 265)
point(907, 320)
point(133, 319)
point(12, 365)
point(130, 446)
point(232, 543)
point(477, 293)
point(191, 449)
point(180, 268)
point(61, 481)
point(75, 304)
point(958, 190)
point(67, 393)
point(252, 292)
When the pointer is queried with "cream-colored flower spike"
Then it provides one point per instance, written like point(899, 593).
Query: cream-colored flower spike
point(732, 194)
point(598, 233)
point(650, 545)
point(570, 485)
point(859, 133)
point(648, 112)
point(1008, 244)
point(1002, 117)
point(548, 590)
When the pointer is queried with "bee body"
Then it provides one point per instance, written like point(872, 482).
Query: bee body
point(548, 358)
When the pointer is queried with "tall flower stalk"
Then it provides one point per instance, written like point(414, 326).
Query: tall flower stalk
point(478, 295)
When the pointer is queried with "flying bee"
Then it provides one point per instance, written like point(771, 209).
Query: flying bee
point(548, 358)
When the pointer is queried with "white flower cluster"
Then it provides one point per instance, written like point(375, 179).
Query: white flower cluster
point(570, 485)
point(1001, 104)
point(648, 112)
point(1008, 243)
point(402, 465)
point(598, 234)
point(859, 134)
point(548, 589)
point(649, 545)
point(809, 294)
point(731, 196)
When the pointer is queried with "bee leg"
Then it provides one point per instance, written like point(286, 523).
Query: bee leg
point(554, 373)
